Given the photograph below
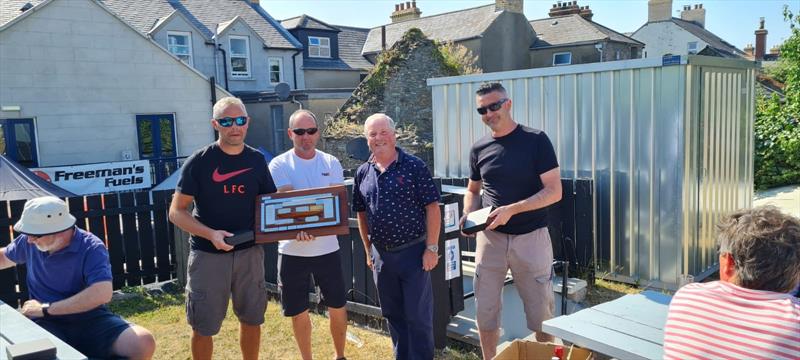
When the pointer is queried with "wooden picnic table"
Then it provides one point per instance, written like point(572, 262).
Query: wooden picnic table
point(16, 328)
point(631, 327)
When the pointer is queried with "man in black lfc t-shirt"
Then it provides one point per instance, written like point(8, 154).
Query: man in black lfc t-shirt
point(517, 169)
point(223, 180)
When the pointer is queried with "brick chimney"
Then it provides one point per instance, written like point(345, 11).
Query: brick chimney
point(696, 15)
point(407, 11)
point(761, 40)
point(569, 8)
point(775, 50)
point(659, 10)
point(508, 5)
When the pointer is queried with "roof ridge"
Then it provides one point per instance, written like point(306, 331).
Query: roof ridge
point(431, 16)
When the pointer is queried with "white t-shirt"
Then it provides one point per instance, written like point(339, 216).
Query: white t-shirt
point(322, 170)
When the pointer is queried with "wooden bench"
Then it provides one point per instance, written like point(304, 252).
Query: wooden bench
point(631, 327)
point(15, 328)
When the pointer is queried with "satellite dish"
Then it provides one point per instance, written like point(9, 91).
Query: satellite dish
point(358, 149)
point(282, 90)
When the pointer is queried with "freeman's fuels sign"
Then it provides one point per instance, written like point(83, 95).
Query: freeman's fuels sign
point(99, 178)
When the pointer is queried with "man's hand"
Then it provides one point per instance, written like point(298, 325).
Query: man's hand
point(369, 263)
point(304, 236)
point(32, 309)
point(429, 260)
point(218, 239)
point(500, 216)
point(461, 225)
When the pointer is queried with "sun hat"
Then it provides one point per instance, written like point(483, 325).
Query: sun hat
point(44, 216)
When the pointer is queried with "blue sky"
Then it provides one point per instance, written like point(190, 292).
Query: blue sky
point(733, 20)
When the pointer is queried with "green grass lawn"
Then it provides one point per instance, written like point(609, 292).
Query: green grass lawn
point(165, 316)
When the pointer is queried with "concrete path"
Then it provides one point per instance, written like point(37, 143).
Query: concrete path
point(786, 198)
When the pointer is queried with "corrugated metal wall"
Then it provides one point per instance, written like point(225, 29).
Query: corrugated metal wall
point(669, 148)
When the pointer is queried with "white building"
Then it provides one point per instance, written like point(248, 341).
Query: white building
point(80, 85)
point(687, 35)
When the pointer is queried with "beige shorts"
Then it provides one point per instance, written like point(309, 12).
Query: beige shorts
point(530, 258)
point(215, 279)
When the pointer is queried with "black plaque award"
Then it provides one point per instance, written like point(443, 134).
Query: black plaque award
point(318, 211)
point(477, 220)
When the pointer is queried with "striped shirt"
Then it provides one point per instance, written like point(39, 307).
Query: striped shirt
point(719, 320)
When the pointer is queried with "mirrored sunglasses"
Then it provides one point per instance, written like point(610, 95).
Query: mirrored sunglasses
point(301, 132)
point(493, 107)
point(228, 121)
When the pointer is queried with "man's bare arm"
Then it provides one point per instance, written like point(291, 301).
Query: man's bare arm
point(549, 194)
point(87, 299)
point(5, 262)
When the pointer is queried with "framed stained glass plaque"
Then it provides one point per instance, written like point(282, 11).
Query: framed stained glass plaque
point(318, 211)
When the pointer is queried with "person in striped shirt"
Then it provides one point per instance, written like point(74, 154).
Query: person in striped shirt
point(750, 313)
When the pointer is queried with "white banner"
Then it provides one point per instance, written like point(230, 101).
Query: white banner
point(99, 178)
point(452, 259)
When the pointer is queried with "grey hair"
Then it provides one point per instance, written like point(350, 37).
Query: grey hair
point(378, 116)
point(297, 114)
point(223, 104)
point(765, 246)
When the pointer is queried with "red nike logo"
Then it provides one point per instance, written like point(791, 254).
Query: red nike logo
point(217, 177)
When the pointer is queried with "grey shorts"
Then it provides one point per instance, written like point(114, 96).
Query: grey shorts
point(214, 279)
point(530, 258)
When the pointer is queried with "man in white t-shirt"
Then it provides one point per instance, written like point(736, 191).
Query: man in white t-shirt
point(304, 167)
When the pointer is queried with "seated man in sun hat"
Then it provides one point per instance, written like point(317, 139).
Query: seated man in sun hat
point(69, 280)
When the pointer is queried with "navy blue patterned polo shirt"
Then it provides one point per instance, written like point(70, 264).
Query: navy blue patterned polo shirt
point(394, 200)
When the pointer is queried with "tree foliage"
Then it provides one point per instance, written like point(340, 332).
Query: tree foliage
point(777, 124)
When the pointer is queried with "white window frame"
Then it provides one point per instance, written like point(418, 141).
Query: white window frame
point(240, 74)
point(319, 47)
point(188, 36)
point(618, 55)
point(691, 49)
point(280, 69)
point(562, 53)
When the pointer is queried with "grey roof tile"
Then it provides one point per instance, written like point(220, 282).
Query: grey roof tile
point(722, 47)
point(351, 41)
point(451, 26)
point(572, 29)
point(9, 9)
point(205, 15)
point(306, 22)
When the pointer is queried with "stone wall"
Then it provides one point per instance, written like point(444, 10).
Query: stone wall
point(396, 86)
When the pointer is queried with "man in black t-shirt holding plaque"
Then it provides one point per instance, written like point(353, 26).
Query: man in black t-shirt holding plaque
point(223, 180)
point(517, 169)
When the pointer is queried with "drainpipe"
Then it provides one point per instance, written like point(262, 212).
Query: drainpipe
point(224, 63)
point(294, 67)
point(599, 47)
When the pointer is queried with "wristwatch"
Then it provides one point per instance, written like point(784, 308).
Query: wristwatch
point(433, 248)
point(46, 310)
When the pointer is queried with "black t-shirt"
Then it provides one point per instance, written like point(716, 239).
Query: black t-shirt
point(509, 167)
point(224, 188)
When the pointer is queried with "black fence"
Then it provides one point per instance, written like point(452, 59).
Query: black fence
point(143, 249)
point(134, 226)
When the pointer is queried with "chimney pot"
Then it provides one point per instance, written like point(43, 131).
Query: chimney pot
point(396, 7)
point(414, 4)
point(408, 5)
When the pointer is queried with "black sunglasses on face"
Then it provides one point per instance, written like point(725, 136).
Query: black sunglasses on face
point(301, 132)
point(228, 121)
point(493, 107)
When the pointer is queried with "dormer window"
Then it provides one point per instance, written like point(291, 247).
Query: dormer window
point(179, 43)
point(240, 56)
point(319, 47)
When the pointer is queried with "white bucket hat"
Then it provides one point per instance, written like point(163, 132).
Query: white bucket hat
point(44, 216)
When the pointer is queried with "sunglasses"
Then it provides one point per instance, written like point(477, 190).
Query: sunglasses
point(228, 121)
point(493, 107)
point(301, 132)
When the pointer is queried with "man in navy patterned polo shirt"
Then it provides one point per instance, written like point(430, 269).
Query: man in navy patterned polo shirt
point(398, 218)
